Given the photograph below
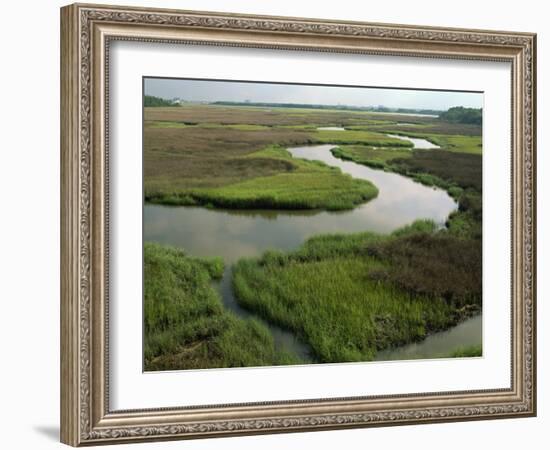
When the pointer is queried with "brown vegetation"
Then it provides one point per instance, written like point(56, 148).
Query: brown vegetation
point(463, 169)
point(436, 265)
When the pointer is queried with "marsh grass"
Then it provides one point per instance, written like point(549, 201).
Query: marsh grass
point(304, 185)
point(220, 155)
point(378, 158)
point(347, 296)
point(448, 142)
point(460, 174)
point(357, 137)
point(462, 169)
point(216, 156)
point(467, 352)
point(415, 263)
point(342, 295)
point(446, 168)
point(225, 114)
point(418, 126)
point(185, 323)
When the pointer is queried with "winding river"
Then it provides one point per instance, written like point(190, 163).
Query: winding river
point(234, 234)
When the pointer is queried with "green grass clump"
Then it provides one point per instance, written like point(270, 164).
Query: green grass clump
point(185, 323)
point(378, 158)
point(342, 295)
point(166, 124)
point(357, 137)
point(463, 224)
point(306, 185)
point(302, 127)
point(452, 143)
point(467, 352)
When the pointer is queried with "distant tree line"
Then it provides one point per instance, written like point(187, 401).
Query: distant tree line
point(459, 114)
point(340, 107)
point(151, 100)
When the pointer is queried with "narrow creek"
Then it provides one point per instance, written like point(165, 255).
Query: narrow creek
point(417, 142)
point(235, 234)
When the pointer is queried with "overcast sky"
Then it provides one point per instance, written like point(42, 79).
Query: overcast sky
point(194, 90)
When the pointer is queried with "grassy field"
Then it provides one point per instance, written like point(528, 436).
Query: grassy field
point(219, 156)
point(185, 323)
point(304, 185)
point(350, 296)
point(269, 116)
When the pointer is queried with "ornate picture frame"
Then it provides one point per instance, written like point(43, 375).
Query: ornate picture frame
point(87, 32)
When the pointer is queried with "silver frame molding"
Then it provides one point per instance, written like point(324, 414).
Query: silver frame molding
point(86, 32)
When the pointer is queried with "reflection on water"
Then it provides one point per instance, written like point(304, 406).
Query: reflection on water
point(235, 234)
point(331, 128)
point(273, 214)
point(438, 345)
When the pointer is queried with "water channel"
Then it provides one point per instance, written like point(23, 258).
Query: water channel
point(234, 234)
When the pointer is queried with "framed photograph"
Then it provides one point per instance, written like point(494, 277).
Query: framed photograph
point(276, 224)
